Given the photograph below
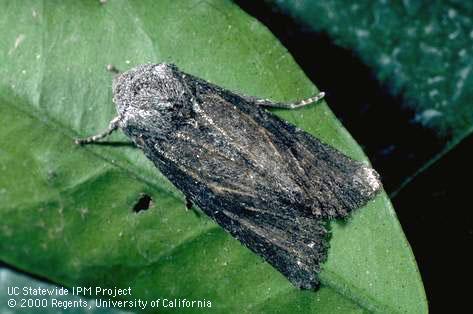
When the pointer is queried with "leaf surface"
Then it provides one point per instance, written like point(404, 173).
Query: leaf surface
point(66, 211)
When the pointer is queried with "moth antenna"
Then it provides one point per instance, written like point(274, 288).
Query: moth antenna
point(113, 125)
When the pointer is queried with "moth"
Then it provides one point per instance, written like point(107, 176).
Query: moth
point(268, 183)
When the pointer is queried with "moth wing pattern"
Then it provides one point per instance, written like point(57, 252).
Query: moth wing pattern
point(268, 183)
point(262, 179)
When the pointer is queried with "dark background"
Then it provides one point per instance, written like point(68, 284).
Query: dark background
point(433, 206)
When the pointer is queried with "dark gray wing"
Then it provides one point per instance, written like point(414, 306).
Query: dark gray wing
point(265, 181)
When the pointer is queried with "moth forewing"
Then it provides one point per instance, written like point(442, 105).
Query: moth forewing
point(269, 184)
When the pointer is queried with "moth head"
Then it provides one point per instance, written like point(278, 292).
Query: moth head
point(149, 90)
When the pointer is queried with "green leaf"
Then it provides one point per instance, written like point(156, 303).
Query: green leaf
point(66, 210)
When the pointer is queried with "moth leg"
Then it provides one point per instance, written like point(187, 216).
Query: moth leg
point(288, 105)
point(113, 125)
point(189, 203)
point(113, 69)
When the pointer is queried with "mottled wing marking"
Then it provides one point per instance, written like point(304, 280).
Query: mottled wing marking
point(263, 180)
point(276, 237)
point(215, 102)
point(226, 157)
point(235, 190)
point(259, 150)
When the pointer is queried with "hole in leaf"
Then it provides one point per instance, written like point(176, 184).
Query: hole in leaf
point(144, 203)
